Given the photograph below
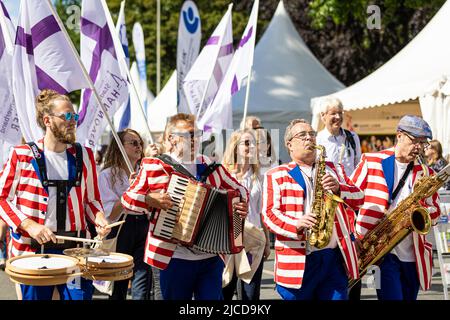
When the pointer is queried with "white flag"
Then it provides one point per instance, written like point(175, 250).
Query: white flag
point(9, 121)
point(218, 116)
point(43, 59)
point(209, 69)
point(188, 46)
point(99, 53)
point(139, 48)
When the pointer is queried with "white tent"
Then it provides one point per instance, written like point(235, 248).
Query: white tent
point(415, 81)
point(286, 75)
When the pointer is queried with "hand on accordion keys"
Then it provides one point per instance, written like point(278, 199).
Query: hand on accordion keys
point(241, 208)
point(159, 200)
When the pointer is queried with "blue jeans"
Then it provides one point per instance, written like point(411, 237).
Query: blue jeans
point(131, 241)
point(325, 278)
point(183, 279)
point(78, 289)
point(399, 280)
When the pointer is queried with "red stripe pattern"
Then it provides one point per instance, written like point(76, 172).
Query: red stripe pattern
point(369, 177)
point(283, 205)
point(154, 176)
point(22, 195)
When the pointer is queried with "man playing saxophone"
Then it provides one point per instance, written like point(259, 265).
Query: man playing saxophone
point(388, 177)
point(290, 192)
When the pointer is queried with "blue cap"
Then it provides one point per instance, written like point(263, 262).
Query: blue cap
point(415, 126)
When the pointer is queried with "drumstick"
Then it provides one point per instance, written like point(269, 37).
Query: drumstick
point(77, 239)
point(115, 224)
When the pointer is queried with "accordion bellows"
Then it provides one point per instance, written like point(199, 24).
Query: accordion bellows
point(202, 217)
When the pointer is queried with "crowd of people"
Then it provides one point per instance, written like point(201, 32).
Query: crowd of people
point(277, 202)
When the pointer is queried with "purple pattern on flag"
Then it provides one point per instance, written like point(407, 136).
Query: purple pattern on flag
point(234, 86)
point(24, 40)
point(225, 50)
point(213, 40)
point(47, 82)
point(2, 44)
point(245, 39)
point(44, 29)
point(5, 12)
point(104, 43)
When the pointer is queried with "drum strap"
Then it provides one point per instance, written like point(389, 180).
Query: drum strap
point(62, 186)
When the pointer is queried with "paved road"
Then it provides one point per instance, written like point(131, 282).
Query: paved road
point(7, 289)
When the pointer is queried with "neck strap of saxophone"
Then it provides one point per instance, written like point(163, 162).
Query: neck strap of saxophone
point(401, 183)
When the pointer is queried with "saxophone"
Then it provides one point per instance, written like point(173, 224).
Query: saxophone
point(323, 207)
point(408, 216)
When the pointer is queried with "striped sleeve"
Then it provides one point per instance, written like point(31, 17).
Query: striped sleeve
point(228, 182)
point(9, 180)
point(94, 204)
point(433, 204)
point(350, 193)
point(274, 219)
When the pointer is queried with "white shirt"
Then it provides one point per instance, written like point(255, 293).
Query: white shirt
point(255, 200)
point(182, 252)
point(308, 174)
point(405, 249)
point(56, 165)
point(334, 145)
point(110, 193)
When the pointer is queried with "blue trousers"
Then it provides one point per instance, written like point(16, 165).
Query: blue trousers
point(399, 280)
point(183, 279)
point(324, 278)
point(78, 289)
point(131, 241)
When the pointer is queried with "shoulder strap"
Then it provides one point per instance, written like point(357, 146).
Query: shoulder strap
point(401, 183)
point(177, 166)
point(350, 139)
point(39, 157)
point(79, 164)
point(209, 169)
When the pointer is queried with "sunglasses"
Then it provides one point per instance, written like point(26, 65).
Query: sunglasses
point(247, 143)
point(135, 143)
point(67, 116)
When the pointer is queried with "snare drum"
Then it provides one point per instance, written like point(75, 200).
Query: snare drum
point(113, 267)
point(42, 269)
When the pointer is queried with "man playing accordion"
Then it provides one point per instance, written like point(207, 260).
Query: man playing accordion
point(185, 271)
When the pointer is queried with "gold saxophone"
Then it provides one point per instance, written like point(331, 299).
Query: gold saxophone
point(408, 216)
point(323, 207)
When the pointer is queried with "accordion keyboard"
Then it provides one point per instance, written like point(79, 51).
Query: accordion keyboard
point(167, 218)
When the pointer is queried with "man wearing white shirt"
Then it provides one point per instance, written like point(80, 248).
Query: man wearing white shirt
point(342, 146)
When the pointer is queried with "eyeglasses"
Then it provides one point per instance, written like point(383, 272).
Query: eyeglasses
point(302, 135)
point(67, 116)
point(247, 143)
point(189, 134)
point(417, 141)
point(135, 143)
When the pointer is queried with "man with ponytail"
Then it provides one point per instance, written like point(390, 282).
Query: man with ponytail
point(49, 187)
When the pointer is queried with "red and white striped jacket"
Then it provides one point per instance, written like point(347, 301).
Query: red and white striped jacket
point(154, 176)
point(370, 178)
point(23, 196)
point(283, 204)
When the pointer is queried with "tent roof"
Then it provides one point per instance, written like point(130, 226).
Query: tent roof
point(408, 75)
point(286, 75)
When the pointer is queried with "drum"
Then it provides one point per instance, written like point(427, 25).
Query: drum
point(112, 267)
point(42, 269)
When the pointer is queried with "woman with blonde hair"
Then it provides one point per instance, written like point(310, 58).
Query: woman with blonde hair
point(241, 160)
point(114, 180)
point(435, 159)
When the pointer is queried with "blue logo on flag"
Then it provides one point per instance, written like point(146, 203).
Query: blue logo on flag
point(190, 21)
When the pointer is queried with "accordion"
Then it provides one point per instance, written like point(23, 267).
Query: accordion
point(201, 217)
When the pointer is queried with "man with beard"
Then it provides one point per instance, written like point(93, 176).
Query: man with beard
point(50, 188)
point(386, 178)
point(185, 271)
point(302, 271)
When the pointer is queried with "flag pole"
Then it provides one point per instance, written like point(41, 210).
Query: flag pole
point(158, 46)
point(91, 86)
point(122, 60)
point(247, 92)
